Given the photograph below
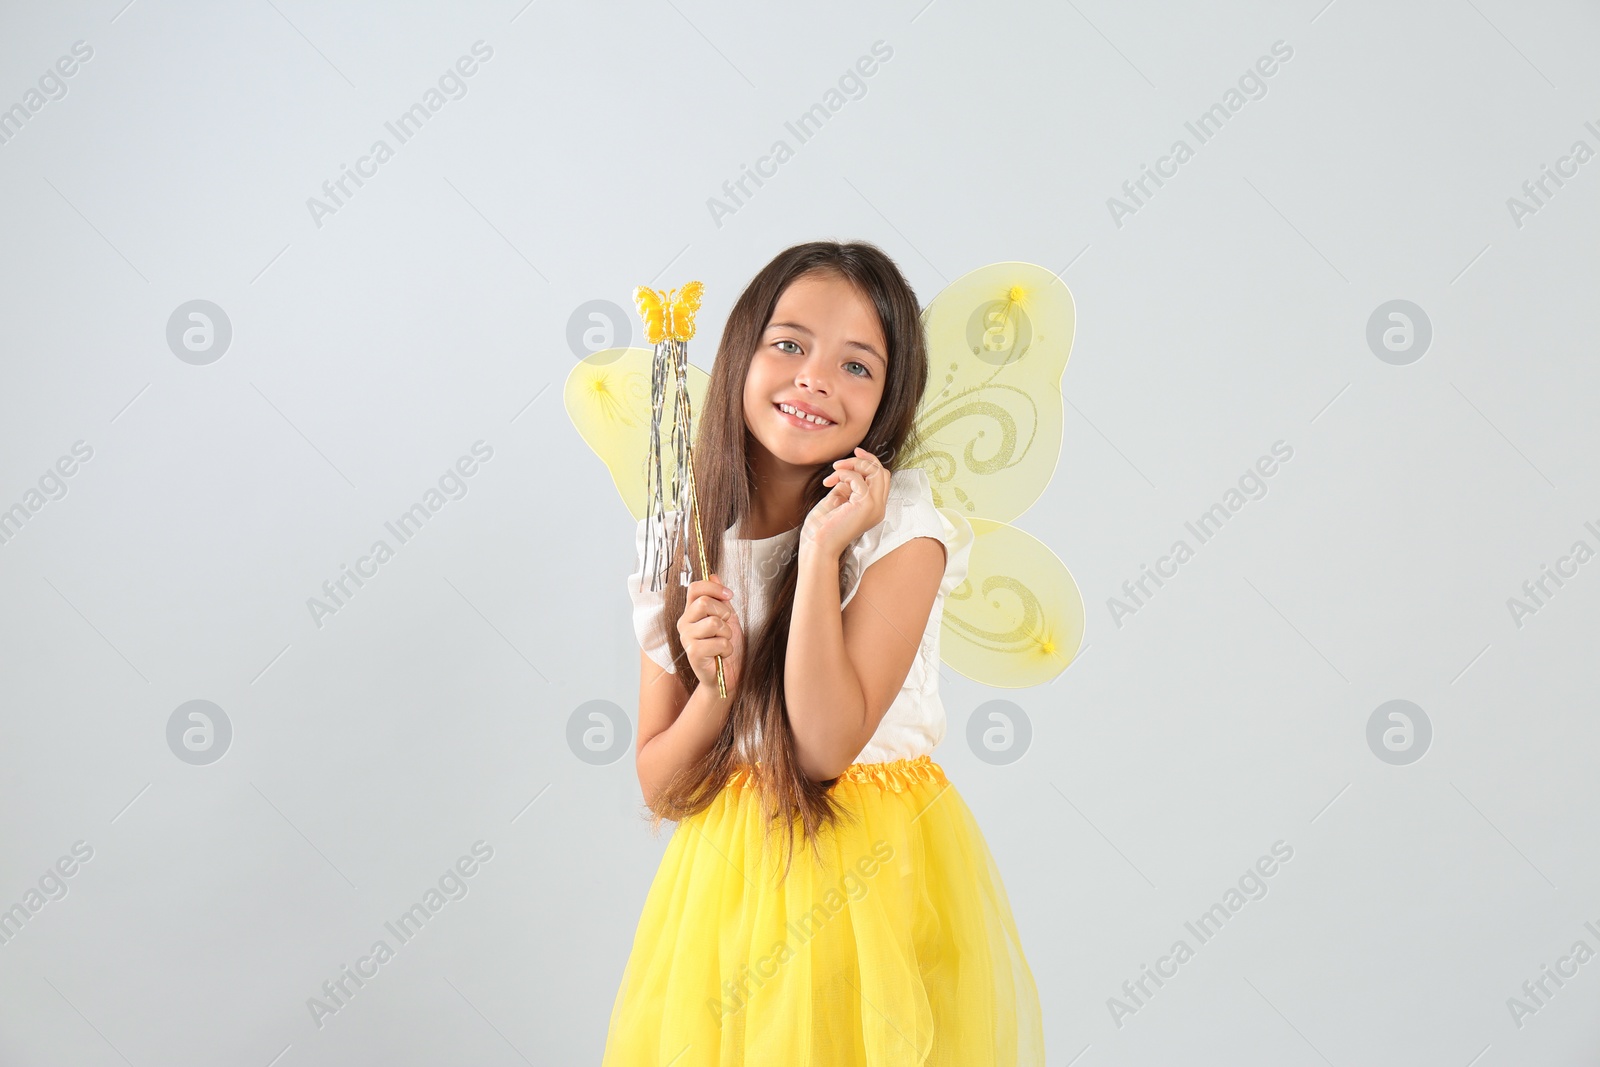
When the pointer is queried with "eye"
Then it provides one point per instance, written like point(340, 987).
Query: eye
point(797, 347)
point(865, 373)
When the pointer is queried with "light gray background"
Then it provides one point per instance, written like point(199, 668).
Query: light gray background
point(432, 310)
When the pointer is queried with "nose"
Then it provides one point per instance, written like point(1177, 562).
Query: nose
point(813, 375)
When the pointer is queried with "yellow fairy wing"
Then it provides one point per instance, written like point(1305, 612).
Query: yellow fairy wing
point(607, 397)
point(1018, 618)
point(990, 437)
point(990, 419)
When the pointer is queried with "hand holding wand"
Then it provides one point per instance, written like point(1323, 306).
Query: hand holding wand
point(668, 324)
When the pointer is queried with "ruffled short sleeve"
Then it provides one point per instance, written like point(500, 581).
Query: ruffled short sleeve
point(909, 513)
point(647, 602)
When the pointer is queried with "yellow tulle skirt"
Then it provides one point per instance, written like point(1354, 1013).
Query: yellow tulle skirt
point(896, 948)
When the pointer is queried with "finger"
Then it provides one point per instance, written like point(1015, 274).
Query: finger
point(867, 467)
point(712, 616)
point(717, 605)
point(714, 646)
point(700, 629)
point(714, 622)
point(709, 587)
point(714, 605)
point(863, 461)
point(707, 624)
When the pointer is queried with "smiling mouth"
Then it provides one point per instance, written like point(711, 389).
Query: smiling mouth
point(795, 416)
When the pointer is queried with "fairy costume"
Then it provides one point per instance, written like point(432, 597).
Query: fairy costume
point(897, 945)
point(915, 722)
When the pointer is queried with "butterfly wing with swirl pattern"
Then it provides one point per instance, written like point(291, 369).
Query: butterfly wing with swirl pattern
point(989, 436)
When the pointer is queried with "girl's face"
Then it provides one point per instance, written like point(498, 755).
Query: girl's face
point(823, 352)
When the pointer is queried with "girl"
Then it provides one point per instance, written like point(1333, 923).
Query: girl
point(889, 940)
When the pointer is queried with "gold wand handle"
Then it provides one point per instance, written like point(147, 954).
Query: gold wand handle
point(699, 537)
point(722, 685)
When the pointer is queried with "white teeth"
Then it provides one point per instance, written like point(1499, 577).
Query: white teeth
point(800, 414)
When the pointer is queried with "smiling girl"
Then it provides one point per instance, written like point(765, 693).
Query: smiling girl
point(889, 939)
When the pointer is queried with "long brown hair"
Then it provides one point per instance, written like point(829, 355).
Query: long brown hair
point(723, 485)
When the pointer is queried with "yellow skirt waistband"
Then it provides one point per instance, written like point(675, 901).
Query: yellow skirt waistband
point(895, 776)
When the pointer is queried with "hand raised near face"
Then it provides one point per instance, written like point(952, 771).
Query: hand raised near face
point(857, 503)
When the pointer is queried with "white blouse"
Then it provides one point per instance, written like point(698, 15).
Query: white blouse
point(915, 722)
